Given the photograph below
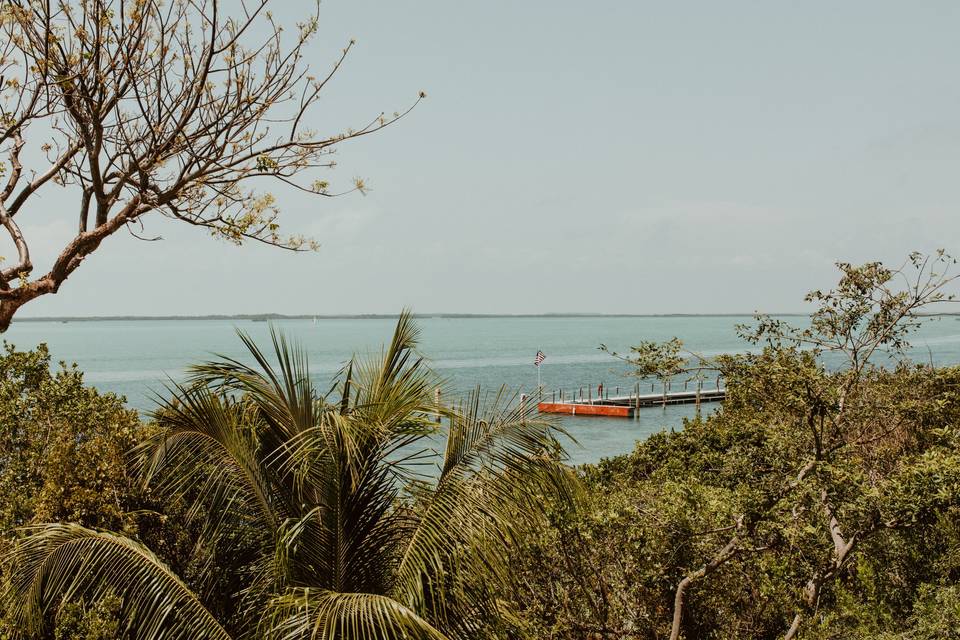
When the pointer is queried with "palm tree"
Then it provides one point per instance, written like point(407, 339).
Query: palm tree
point(315, 515)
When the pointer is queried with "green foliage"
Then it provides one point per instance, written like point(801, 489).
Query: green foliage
point(310, 515)
point(936, 614)
point(819, 500)
point(822, 500)
point(660, 513)
point(99, 621)
point(655, 359)
point(63, 445)
point(64, 458)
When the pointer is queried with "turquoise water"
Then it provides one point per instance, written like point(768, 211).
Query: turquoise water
point(133, 358)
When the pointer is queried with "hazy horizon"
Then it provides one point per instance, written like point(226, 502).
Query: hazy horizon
point(417, 314)
point(616, 158)
point(428, 314)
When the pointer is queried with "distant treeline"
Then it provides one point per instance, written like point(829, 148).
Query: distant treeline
point(394, 316)
point(263, 317)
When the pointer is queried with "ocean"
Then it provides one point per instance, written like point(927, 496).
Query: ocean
point(134, 358)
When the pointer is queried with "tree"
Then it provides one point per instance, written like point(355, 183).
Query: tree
point(820, 496)
point(63, 456)
point(316, 518)
point(668, 514)
point(869, 315)
point(63, 445)
point(179, 108)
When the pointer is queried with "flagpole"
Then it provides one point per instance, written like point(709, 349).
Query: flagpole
point(538, 374)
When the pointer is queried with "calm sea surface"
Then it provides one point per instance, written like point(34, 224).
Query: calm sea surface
point(133, 358)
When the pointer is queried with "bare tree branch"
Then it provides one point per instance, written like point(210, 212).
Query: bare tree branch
point(188, 109)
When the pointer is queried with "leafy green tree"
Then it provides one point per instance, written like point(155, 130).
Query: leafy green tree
point(820, 495)
point(97, 622)
point(63, 445)
point(316, 518)
point(64, 456)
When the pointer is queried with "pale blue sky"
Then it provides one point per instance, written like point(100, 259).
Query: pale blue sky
point(631, 157)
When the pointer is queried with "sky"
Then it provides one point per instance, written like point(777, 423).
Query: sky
point(608, 157)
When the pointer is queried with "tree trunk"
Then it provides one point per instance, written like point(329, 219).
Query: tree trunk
point(729, 550)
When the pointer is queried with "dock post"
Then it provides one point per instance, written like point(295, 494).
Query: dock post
point(665, 383)
point(718, 382)
point(436, 398)
point(699, 384)
point(637, 410)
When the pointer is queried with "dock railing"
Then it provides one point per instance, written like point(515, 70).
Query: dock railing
point(585, 393)
point(633, 397)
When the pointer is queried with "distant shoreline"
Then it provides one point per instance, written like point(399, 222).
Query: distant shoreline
point(265, 317)
point(388, 316)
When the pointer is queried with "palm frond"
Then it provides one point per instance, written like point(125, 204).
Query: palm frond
point(345, 393)
point(311, 510)
point(205, 454)
point(346, 536)
point(206, 457)
point(312, 614)
point(65, 562)
point(500, 469)
point(395, 391)
point(499, 433)
point(284, 395)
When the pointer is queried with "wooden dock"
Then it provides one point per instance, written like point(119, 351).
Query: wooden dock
point(626, 406)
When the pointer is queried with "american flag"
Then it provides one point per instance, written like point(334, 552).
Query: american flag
point(539, 358)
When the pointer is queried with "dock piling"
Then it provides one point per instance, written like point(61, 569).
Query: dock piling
point(631, 403)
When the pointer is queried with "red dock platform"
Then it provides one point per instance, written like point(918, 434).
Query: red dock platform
point(617, 411)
